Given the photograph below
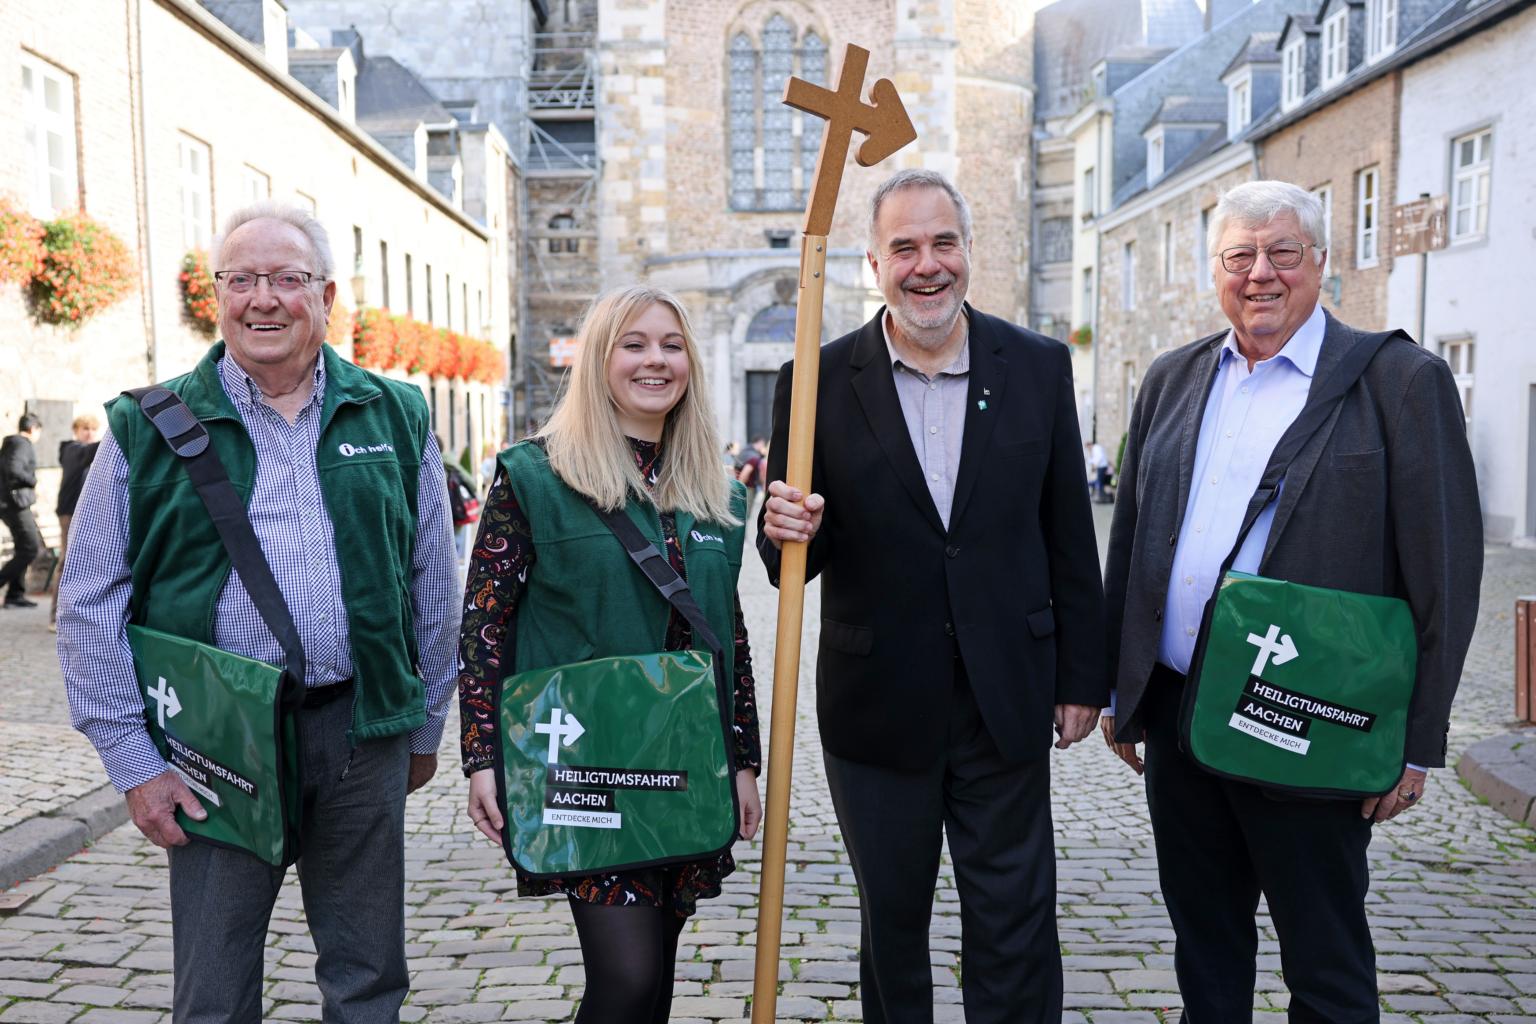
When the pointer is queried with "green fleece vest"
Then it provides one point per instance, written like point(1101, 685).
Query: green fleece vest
point(585, 598)
point(371, 434)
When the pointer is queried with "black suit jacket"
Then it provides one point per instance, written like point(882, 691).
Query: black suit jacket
point(1382, 500)
point(1013, 584)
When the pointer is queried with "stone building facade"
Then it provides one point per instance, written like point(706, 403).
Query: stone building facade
point(176, 120)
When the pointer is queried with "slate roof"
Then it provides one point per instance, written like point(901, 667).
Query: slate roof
point(391, 98)
point(1260, 49)
point(1189, 110)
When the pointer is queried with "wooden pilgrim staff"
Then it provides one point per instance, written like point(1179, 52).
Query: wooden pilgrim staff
point(884, 120)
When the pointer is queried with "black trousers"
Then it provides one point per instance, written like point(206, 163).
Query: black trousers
point(1222, 843)
point(27, 545)
point(997, 817)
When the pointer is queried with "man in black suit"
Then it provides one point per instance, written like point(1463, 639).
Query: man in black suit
point(960, 596)
point(1382, 500)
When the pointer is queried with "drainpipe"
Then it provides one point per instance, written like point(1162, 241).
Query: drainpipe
point(139, 127)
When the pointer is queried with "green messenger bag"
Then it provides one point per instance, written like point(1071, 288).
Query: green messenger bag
point(228, 725)
point(1296, 688)
point(624, 762)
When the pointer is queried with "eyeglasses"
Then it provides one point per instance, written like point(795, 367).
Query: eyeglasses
point(1282, 256)
point(240, 281)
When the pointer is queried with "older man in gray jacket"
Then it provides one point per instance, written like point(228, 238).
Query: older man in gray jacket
point(1382, 500)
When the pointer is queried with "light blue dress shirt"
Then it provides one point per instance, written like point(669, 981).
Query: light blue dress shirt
point(1245, 416)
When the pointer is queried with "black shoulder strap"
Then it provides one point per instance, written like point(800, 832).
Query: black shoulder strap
point(1314, 414)
point(660, 572)
point(188, 438)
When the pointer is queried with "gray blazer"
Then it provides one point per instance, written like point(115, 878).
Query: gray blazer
point(1382, 500)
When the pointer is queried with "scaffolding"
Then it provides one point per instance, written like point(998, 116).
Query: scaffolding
point(560, 187)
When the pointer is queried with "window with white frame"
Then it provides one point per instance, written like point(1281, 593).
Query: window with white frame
point(1090, 202)
point(1293, 73)
point(1055, 240)
point(1457, 352)
point(766, 150)
point(1154, 154)
point(1367, 217)
point(1085, 314)
point(1129, 388)
point(256, 186)
point(1471, 177)
point(196, 181)
point(305, 202)
point(1128, 276)
point(1335, 48)
point(1239, 104)
point(48, 113)
point(1324, 194)
point(1167, 252)
point(1380, 28)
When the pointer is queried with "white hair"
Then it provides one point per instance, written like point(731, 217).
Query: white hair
point(1256, 203)
point(918, 177)
point(294, 216)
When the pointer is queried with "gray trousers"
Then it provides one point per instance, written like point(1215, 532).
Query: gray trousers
point(351, 875)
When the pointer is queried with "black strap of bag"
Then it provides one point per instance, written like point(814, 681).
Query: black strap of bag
point(188, 438)
point(1317, 411)
point(660, 572)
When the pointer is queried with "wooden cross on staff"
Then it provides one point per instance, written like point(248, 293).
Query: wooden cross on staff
point(884, 120)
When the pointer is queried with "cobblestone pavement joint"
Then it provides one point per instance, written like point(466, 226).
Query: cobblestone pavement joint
point(1453, 903)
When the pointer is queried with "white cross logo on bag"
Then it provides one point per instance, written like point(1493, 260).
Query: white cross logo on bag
point(560, 734)
point(1272, 643)
point(168, 705)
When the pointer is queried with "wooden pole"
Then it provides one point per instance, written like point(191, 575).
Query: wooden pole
point(786, 654)
point(888, 128)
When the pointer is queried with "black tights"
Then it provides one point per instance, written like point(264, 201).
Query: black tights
point(629, 954)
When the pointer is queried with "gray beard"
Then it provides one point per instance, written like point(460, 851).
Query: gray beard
point(919, 330)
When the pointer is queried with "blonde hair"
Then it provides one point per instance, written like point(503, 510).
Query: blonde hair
point(86, 421)
point(586, 446)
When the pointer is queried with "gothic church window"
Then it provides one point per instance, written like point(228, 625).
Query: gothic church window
point(770, 161)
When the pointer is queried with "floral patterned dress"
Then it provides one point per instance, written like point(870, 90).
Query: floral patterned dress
point(503, 557)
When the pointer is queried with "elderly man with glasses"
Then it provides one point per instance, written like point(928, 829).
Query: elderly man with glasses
point(1382, 500)
point(345, 494)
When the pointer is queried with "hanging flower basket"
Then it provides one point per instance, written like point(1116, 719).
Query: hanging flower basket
point(85, 269)
point(1082, 337)
point(21, 243)
point(198, 301)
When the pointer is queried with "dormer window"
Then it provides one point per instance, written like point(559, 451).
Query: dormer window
point(1155, 155)
point(1239, 103)
point(1293, 73)
point(1380, 28)
point(1335, 48)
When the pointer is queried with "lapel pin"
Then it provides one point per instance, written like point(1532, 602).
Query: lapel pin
point(986, 391)
point(982, 405)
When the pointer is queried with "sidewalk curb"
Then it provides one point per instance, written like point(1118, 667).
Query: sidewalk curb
point(1502, 770)
point(43, 843)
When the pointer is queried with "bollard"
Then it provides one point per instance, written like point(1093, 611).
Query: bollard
point(1525, 659)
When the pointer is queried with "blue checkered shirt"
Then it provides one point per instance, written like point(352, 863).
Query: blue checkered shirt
point(287, 511)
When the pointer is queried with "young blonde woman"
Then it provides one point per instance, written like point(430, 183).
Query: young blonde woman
point(634, 426)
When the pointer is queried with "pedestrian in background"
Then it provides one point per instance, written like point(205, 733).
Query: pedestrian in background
point(754, 467)
point(1098, 471)
point(359, 546)
point(75, 456)
point(18, 493)
point(1381, 500)
point(633, 428)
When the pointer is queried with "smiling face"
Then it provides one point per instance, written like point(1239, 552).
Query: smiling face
point(921, 262)
point(648, 371)
point(1266, 305)
point(265, 328)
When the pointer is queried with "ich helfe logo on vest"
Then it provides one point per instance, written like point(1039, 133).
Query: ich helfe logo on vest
point(584, 796)
point(1279, 716)
point(349, 450)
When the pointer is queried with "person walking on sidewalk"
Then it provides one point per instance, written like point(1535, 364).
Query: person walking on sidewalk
point(635, 427)
point(345, 492)
point(75, 456)
point(18, 493)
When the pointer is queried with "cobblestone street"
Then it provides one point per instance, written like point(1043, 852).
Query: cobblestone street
point(1453, 903)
